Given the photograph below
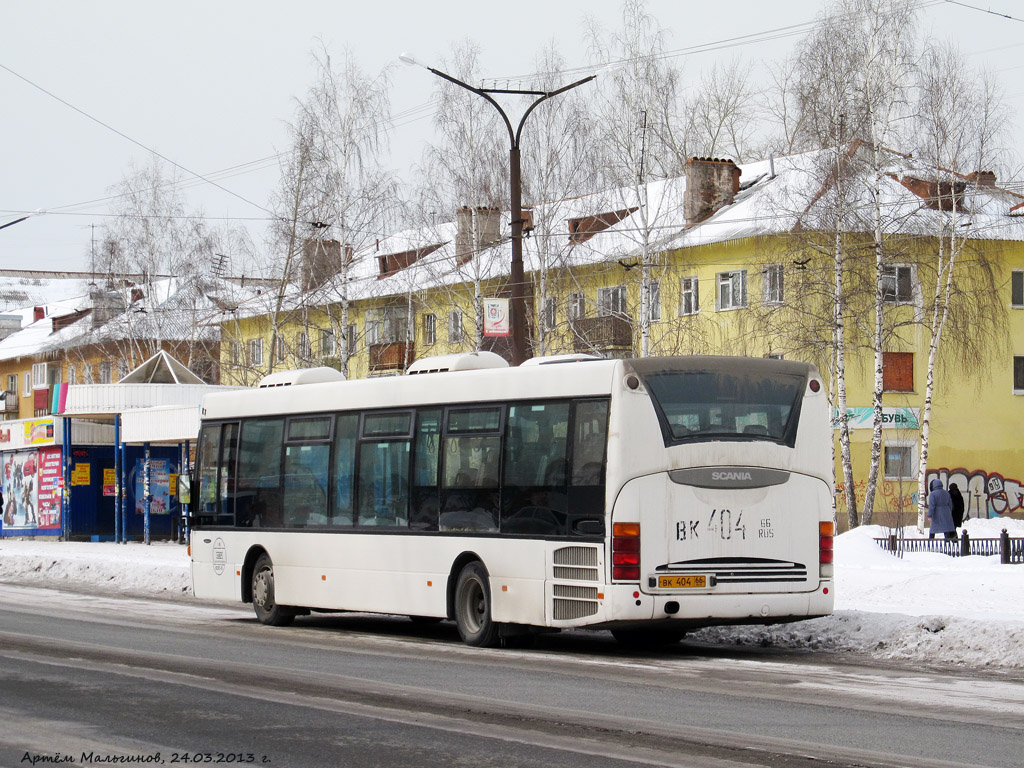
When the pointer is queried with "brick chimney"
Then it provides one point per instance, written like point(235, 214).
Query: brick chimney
point(982, 178)
point(321, 260)
point(711, 184)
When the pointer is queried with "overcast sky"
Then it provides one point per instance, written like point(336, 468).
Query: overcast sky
point(210, 84)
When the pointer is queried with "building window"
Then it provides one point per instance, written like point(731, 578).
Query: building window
point(236, 352)
point(654, 307)
point(430, 330)
point(39, 376)
point(611, 301)
point(688, 297)
point(87, 374)
point(27, 384)
point(897, 371)
point(1018, 374)
point(280, 348)
point(72, 377)
point(732, 289)
point(328, 344)
point(900, 462)
point(12, 383)
point(577, 308)
point(455, 327)
point(772, 284)
point(122, 369)
point(352, 337)
point(105, 372)
point(897, 284)
point(1017, 288)
point(304, 350)
point(549, 316)
point(255, 352)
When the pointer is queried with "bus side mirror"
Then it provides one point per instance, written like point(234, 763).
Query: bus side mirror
point(184, 489)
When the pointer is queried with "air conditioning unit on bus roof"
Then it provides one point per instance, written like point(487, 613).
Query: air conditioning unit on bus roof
point(301, 376)
point(467, 361)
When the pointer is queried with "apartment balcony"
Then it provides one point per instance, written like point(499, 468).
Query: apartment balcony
point(390, 356)
point(10, 402)
point(609, 332)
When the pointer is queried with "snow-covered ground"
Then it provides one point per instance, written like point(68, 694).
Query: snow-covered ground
point(925, 607)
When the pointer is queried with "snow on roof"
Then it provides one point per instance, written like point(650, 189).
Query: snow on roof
point(776, 196)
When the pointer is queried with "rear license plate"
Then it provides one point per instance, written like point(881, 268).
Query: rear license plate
point(682, 582)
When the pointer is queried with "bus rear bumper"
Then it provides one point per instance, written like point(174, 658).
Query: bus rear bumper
point(625, 605)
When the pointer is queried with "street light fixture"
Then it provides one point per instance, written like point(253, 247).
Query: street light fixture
point(518, 324)
point(36, 212)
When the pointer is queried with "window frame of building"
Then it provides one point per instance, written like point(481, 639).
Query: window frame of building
point(87, 377)
point(234, 352)
point(254, 351)
point(456, 332)
point(304, 349)
point(689, 295)
point(898, 281)
point(352, 336)
point(328, 343)
point(576, 306)
point(281, 348)
point(122, 369)
point(106, 371)
point(12, 383)
point(735, 281)
point(549, 313)
point(893, 377)
point(1018, 374)
point(430, 329)
point(26, 385)
point(908, 461)
point(611, 301)
point(1017, 289)
point(773, 284)
point(654, 301)
point(39, 371)
point(72, 375)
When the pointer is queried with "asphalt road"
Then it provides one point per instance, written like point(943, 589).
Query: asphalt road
point(95, 679)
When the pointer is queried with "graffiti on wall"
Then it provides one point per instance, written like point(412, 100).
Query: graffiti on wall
point(986, 494)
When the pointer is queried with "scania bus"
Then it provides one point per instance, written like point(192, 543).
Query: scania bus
point(644, 496)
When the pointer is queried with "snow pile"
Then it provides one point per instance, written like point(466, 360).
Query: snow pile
point(924, 607)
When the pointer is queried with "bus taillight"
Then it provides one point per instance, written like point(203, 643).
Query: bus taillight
point(626, 552)
point(826, 532)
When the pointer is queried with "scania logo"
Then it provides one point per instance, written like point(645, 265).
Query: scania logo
point(731, 476)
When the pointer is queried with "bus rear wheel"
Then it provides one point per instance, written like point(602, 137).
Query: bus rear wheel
point(473, 607)
point(263, 600)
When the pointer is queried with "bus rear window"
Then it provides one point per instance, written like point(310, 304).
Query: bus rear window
point(713, 405)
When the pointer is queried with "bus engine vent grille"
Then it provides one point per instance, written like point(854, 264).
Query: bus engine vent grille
point(746, 570)
point(572, 602)
point(576, 563)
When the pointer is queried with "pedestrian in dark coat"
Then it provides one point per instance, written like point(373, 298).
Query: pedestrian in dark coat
point(958, 505)
point(940, 511)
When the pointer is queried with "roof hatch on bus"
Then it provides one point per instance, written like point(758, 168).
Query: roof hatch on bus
point(469, 361)
point(319, 375)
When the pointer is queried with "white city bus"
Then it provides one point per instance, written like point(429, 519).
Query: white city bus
point(646, 496)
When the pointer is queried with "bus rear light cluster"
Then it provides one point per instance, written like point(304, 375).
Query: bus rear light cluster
point(626, 552)
point(826, 534)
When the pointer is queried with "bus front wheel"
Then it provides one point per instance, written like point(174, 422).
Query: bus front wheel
point(473, 607)
point(263, 600)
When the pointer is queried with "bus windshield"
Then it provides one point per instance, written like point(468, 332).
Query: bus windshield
point(696, 405)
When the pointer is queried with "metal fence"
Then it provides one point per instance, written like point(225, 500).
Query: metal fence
point(1010, 550)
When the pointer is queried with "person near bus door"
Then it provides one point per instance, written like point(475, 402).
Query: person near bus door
point(940, 511)
point(958, 505)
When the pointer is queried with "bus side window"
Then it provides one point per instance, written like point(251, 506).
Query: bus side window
point(209, 460)
point(536, 468)
point(305, 484)
point(589, 450)
point(259, 474)
point(384, 483)
point(346, 432)
point(425, 504)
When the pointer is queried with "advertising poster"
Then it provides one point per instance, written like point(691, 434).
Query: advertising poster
point(496, 320)
point(48, 495)
point(21, 490)
point(159, 487)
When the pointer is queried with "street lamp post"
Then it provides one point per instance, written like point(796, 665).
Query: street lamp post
point(518, 280)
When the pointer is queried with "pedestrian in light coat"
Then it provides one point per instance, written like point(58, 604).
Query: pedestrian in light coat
point(940, 511)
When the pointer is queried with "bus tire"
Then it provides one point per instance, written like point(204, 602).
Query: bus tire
point(473, 607)
point(263, 602)
point(647, 638)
